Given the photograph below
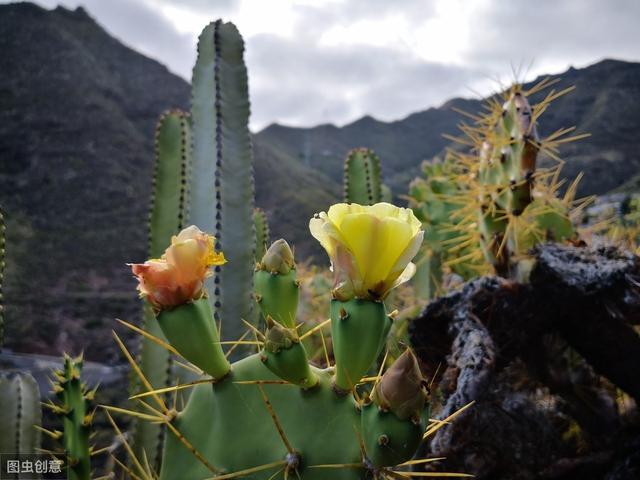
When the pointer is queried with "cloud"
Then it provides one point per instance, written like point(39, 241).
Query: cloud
point(554, 34)
point(318, 61)
point(294, 82)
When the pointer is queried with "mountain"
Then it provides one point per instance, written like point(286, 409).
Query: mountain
point(605, 103)
point(77, 115)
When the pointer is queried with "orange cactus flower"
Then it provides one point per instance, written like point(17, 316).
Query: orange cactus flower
point(178, 276)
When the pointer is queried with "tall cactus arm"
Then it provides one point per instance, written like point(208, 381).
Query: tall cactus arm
point(167, 215)
point(169, 203)
point(20, 413)
point(362, 177)
point(221, 131)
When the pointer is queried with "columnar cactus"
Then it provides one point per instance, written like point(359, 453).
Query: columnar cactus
point(261, 226)
point(221, 187)
point(167, 216)
point(74, 406)
point(361, 178)
point(20, 414)
point(204, 174)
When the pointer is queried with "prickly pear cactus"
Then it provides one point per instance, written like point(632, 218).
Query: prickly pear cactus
point(513, 216)
point(20, 413)
point(347, 421)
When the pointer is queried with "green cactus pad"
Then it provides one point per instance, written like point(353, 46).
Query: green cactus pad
point(231, 427)
point(191, 330)
point(286, 357)
point(388, 440)
point(277, 296)
point(359, 329)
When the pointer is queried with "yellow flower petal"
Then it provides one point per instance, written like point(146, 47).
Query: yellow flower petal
point(369, 246)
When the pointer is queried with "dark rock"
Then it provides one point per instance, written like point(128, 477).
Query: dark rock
point(532, 357)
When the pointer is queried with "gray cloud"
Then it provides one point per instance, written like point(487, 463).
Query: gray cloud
point(218, 7)
point(305, 83)
point(568, 32)
point(299, 81)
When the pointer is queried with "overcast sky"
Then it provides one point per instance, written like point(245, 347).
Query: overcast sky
point(332, 61)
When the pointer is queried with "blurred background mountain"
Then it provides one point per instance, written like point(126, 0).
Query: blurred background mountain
point(77, 116)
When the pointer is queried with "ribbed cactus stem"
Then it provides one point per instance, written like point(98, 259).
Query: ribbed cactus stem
point(362, 182)
point(20, 414)
point(222, 190)
point(261, 226)
point(73, 406)
point(166, 218)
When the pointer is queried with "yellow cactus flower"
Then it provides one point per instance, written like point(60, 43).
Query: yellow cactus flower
point(370, 247)
point(178, 276)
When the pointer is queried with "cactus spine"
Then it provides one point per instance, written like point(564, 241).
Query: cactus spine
point(20, 414)
point(362, 182)
point(490, 205)
point(510, 220)
point(74, 407)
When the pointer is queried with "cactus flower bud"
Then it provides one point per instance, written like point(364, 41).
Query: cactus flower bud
point(178, 276)
point(279, 337)
point(278, 258)
point(401, 388)
point(286, 357)
point(370, 247)
point(276, 287)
